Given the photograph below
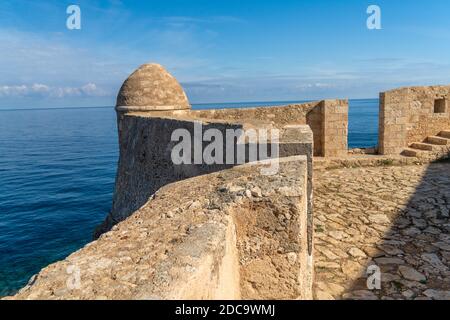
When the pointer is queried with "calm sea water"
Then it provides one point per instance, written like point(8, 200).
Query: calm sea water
point(57, 170)
point(363, 118)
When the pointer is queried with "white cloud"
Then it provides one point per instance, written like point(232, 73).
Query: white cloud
point(13, 90)
point(309, 86)
point(51, 59)
point(42, 90)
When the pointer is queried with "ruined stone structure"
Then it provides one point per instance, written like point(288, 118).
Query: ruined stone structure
point(202, 231)
point(228, 231)
point(415, 121)
point(328, 120)
point(227, 235)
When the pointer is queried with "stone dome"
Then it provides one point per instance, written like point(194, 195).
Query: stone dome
point(151, 88)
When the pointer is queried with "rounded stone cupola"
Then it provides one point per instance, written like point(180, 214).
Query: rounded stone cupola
point(151, 88)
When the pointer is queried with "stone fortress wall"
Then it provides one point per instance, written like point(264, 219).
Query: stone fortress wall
point(197, 231)
point(226, 235)
point(328, 120)
point(145, 163)
point(415, 117)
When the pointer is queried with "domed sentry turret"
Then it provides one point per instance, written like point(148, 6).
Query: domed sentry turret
point(151, 88)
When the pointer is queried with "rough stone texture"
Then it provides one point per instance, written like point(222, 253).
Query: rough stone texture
point(227, 235)
point(145, 162)
point(298, 140)
point(328, 120)
point(151, 88)
point(178, 234)
point(429, 151)
point(197, 232)
point(311, 114)
point(363, 160)
point(335, 128)
point(396, 217)
point(407, 115)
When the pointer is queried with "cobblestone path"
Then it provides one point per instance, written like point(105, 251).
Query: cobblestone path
point(394, 217)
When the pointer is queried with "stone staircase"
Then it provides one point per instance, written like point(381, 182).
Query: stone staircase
point(433, 148)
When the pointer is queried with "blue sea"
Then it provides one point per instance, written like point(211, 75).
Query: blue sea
point(57, 170)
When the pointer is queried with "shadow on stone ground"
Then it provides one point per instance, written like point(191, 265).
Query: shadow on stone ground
point(396, 218)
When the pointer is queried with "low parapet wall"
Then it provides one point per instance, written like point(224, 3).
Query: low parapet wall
point(226, 235)
point(409, 115)
point(203, 230)
point(328, 120)
point(146, 164)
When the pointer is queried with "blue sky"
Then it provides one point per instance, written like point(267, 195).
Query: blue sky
point(220, 50)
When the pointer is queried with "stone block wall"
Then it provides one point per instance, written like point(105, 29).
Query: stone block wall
point(145, 163)
point(410, 115)
point(226, 235)
point(328, 120)
point(203, 231)
point(335, 128)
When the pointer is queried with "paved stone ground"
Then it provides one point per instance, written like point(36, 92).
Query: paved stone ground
point(394, 217)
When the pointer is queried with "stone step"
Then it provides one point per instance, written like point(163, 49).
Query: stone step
point(438, 140)
point(445, 134)
point(423, 146)
point(409, 152)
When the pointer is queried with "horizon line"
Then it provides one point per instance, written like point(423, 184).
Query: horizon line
point(192, 104)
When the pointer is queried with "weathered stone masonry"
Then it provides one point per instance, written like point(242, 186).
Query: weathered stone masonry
point(197, 231)
point(226, 235)
point(416, 117)
point(328, 120)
